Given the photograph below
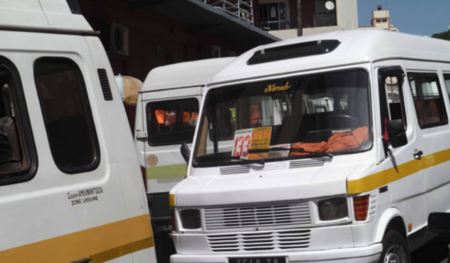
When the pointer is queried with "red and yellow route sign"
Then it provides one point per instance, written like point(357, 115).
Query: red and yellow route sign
point(252, 139)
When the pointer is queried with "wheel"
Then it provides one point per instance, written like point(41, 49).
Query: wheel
point(395, 249)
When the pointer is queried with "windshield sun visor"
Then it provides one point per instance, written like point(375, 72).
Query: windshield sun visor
point(304, 49)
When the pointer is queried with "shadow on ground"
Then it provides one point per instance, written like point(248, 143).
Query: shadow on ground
point(434, 252)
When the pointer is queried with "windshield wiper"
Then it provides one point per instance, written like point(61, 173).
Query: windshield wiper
point(301, 150)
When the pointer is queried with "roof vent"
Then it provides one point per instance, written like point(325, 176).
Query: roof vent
point(304, 49)
point(105, 84)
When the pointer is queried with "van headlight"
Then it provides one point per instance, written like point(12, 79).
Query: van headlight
point(190, 218)
point(332, 209)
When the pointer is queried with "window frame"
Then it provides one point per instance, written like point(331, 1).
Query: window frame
point(88, 115)
point(24, 129)
point(428, 74)
point(385, 110)
point(446, 76)
point(179, 100)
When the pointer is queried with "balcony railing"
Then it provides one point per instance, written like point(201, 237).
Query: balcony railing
point(308, 21)
point(241, 9)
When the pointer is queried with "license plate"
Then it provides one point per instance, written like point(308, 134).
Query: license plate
point(258, 260)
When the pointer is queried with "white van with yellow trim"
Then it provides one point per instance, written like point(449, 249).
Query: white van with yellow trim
point(70, 185)
point(338, 152)
point(166, 116)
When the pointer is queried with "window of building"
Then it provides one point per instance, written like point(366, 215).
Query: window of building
point(447, 83)
point(427, 95)
point(171, 122)
point(391, 97)
point(67, 115)
point(378, 20)
point(17, 152)
point(274, 16)
point(325, 17)
point(384, 20)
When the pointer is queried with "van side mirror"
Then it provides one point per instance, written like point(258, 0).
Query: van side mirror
point(185, 151)
point(439, 223)
point(396, 132)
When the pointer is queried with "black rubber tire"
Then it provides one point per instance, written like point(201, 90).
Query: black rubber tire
point(395, 241)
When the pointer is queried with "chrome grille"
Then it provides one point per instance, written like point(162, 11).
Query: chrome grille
point(260, 241)
point(257, 216)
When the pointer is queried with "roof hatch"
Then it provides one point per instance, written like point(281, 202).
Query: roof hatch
point(297, 50)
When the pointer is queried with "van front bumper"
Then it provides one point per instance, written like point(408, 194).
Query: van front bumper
point(369, 254)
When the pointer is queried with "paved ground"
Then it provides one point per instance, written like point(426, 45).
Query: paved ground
point(435, 251)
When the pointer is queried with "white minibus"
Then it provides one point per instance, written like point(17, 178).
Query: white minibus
point(70, 184)
point(326, 148)
point(166, 116)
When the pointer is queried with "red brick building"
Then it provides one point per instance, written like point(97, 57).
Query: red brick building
point(140, 35)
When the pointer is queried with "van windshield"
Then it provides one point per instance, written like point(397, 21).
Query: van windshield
point(306, 116)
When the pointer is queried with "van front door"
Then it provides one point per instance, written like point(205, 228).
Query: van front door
point(406, 180)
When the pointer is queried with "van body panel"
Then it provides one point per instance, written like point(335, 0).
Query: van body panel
point(265, 186)
point(59, 217)
point(170, 166)
point(41, 14)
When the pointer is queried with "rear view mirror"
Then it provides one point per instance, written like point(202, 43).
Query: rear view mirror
point(396, 132)
point(185, 152)
point(439, 223)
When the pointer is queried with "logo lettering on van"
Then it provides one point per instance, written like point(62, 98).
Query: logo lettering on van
point(275, 88)
point(85, 195)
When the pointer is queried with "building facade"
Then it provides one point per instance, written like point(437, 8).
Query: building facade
point(279, 17)
point(381, 19)
point(140, 35)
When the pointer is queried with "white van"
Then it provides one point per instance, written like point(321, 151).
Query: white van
point(339, 151)
point(166, 116)
point(70, 184)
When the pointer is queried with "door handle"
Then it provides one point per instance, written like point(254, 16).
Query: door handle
point(418, 155)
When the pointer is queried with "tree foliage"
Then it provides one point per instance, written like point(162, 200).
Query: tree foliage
point(443, 35)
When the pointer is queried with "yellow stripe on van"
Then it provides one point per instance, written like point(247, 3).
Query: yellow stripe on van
point(100, 244)
point(166, 171)
point(390, 175)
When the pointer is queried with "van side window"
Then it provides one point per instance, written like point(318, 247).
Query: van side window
point(391, 97)
point(447, 83)
point(67, 115)
point(427, 95)
point(171, 122)
point(17, 153)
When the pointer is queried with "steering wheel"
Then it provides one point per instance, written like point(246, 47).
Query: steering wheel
point(332, 121)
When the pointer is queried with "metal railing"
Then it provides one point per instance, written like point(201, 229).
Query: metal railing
point(241, 9)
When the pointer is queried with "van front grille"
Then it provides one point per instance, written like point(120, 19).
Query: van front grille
point(258, 216)
point(260, 241)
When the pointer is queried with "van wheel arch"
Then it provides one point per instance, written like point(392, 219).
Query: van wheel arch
point(397, 224)
point(391, 219)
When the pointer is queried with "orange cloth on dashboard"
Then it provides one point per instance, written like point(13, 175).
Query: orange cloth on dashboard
point(338, 142)
point(345, 141)
point(309, 147)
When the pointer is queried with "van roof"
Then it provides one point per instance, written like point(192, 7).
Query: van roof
point(42, 15)
point(356, 46)
point(186, 74)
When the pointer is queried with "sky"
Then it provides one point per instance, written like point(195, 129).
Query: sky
point(418, 17)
